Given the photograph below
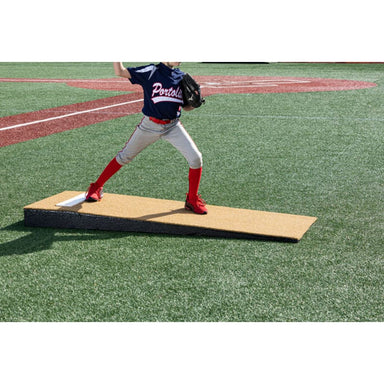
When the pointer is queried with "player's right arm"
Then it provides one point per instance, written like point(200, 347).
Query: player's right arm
point(121, 71)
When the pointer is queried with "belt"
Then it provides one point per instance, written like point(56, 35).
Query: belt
point(159, 121)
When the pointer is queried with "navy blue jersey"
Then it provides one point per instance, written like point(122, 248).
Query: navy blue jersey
point(162, 92)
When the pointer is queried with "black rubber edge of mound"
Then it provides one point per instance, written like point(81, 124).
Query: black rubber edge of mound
point(75, 220)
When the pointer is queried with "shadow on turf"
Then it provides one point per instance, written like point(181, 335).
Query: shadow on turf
point(40, 239)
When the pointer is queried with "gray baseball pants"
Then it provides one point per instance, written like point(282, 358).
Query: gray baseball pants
point(148, 132)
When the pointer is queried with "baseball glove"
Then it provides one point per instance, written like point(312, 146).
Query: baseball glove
point(191, 92)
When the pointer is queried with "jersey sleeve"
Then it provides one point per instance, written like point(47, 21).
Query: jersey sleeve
point(139, 75)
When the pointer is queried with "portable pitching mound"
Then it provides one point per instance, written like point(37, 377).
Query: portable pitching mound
point(141, 214)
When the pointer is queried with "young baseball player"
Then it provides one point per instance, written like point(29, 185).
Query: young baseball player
point(163, 101)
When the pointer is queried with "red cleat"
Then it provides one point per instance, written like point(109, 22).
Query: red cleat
point(196, 205)
point(94, 193)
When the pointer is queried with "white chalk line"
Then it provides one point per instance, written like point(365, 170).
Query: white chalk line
point(68, 115)
point(20, 80)
point(251, 83)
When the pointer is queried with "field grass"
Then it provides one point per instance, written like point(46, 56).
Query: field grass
point(317, 154)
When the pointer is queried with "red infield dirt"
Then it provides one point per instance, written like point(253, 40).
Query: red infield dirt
point(27, 126)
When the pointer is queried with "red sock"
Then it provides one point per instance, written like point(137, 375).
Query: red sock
point(108, 172)
point(194, 181)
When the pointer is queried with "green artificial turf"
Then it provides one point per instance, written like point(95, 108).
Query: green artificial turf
point(317, 154)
